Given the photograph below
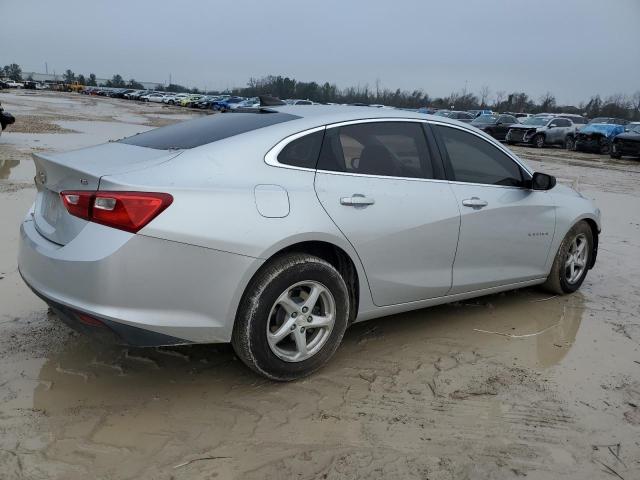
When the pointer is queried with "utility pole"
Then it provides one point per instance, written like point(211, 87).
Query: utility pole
point(46, 68)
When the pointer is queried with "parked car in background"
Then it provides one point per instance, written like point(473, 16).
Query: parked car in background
point(609, 120)
point(5, 119)
point(465, 117)
point(253, 102)
point(597, 137)
point(174, 98)
point(518, 115)
point(541, 131)
point(139, 94)
point(294, 101)
point(627, 143)
point(578, 120)
point(155, 97)
point(272, 230)
point(495, 125)
point(225, 104)
point(477, 113)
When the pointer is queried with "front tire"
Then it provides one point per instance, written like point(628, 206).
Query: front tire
point(569, 144)
point(292, 317)
point(572, 260)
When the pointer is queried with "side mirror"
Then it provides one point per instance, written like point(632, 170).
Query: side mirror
point(542, 181)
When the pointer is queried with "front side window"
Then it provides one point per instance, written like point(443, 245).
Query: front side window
point(395, 149)
point(474, 160)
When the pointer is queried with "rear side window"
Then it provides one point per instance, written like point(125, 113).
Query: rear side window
point(302, 152)
point(474, 160)
point(194, 133)
point(395, 149)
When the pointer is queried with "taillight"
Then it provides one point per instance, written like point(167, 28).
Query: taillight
point(128, 211)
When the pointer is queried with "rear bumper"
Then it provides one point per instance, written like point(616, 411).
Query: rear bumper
point(108, 331)
point(147, 291)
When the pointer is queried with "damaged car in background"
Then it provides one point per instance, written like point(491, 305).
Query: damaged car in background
point(597, 137)
point(627, 143)
point(543, 131)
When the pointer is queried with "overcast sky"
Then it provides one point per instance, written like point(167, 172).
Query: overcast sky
point(573, 48)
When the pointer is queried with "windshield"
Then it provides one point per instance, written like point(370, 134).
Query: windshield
point(634, 128)
point(486, 119)
point(443, 113)
point(536, 121)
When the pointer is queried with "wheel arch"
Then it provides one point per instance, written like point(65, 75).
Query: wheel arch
point(339, 254)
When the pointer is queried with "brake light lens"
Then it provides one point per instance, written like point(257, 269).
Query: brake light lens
point(129, 211)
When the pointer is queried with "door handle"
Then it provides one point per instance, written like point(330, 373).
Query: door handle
point(356, 200)
point(474, 202)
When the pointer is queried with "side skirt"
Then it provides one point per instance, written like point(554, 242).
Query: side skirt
point(406, 307)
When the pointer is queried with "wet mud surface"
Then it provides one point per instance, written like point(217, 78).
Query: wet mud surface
point(520, 384)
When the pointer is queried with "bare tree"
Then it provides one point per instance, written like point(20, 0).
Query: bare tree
point(500, 95)
point(484, 93)
point(547, 102)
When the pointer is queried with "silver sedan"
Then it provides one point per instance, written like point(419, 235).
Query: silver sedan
point(277, 229)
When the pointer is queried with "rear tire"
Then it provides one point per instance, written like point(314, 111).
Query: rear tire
point(279, 300)
point(572, 260)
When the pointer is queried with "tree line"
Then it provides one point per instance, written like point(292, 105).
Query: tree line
point(618, 105)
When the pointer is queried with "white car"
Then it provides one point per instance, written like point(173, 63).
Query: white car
point(174, 99)
point(153, 97)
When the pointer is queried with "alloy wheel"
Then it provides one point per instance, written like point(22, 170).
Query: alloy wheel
point(576, 261)
point(300, 321)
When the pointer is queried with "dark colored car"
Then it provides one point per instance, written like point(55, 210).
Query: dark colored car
point(495, 125)
point(5, 119)
point(626, 143)
point(597, 137)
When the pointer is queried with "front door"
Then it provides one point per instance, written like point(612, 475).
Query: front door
point(505, 229)
point(377, 182)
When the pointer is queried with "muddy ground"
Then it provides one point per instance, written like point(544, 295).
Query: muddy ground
point(521, 384)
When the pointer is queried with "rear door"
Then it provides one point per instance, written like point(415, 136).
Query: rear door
point(379, 184)
point(506, 229)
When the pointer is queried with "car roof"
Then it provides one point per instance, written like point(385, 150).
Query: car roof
point(318, 115)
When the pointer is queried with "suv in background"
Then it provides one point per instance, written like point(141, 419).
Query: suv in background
point(541, 131)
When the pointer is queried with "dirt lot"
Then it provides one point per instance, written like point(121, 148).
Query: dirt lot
point(505, 386)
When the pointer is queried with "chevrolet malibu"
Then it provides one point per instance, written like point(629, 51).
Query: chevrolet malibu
point(277, 229)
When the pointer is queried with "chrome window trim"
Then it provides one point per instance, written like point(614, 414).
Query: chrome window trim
point(271, 157)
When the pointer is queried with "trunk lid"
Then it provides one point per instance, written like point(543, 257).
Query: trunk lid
point(82, 170)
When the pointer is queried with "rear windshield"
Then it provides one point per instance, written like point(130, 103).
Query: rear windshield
point(194, 133)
